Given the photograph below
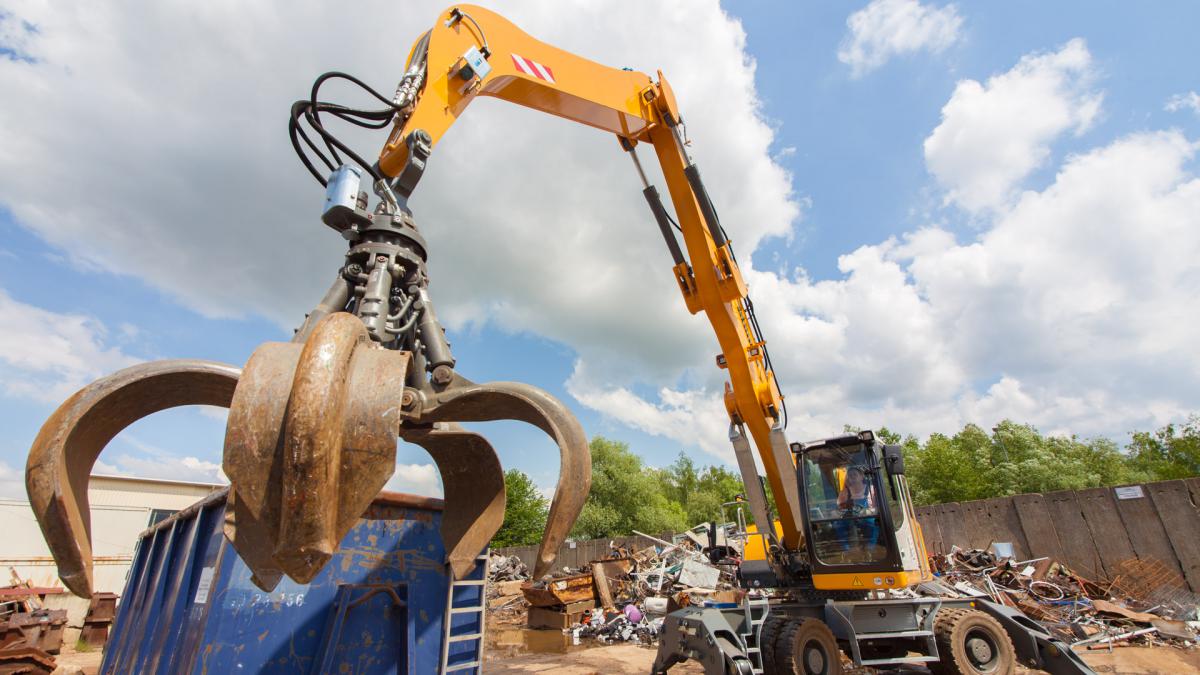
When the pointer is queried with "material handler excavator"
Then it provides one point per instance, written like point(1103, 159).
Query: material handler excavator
point(319, 415)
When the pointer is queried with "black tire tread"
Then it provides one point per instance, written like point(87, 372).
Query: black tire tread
point(945, 626)
point(785, 656)
point(768, 639)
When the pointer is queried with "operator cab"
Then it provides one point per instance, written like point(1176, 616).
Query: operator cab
point(853, 493)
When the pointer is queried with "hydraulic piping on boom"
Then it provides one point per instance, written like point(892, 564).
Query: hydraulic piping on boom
point(472, 52)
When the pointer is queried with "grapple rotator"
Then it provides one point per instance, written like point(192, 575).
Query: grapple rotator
point(313, 423)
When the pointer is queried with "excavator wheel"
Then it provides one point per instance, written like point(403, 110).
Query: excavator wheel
point(971, 643)
point(807, 647)
point(768, 638)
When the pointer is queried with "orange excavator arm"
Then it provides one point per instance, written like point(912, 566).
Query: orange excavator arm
point(472, 51)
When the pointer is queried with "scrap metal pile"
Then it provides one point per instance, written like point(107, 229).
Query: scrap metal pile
point(622, 598)
point(1144, 604)
point(30, 634)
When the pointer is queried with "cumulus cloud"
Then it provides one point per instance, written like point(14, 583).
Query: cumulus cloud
point(1188, 101)
point(692, 417)
point(1069, 312)
point(47, 356)
point(416, 479)
point(163, 465)
point(183, 173)
point(1064, 309)
point(887, 28)
point(994, 134)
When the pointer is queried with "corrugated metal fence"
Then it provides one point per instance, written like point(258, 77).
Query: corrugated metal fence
point(1091, 531)
point(579, 553)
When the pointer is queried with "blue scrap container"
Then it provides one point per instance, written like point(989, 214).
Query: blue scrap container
point(379, 606)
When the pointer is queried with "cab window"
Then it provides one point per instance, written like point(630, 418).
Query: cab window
point(844, 507)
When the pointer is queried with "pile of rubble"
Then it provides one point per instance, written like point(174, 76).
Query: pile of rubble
point(622, 598)
point(30, 634)
point(1144, 604)
point(505, 603)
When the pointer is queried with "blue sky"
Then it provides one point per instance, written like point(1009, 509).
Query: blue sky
point(948, 212)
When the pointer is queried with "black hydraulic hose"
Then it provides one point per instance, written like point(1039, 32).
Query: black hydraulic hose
point(706, 207)
point(311, 111)
point(297, 132)
point(333, 74)
point(692, 172)
point(380, 122)
point(329, 138)
point(315, 108)
point(664, 223)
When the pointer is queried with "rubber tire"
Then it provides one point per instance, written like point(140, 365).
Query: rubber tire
point(953, 627)
point(798, 637)
point(768, 638)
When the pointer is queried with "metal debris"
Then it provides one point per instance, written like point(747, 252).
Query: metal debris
point(506, 568)
point(621, 598)
point(1144, 605)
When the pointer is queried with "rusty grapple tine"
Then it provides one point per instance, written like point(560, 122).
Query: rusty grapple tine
point(473, 485)
point(311, 439)
point(66, 448)
point(466, 401)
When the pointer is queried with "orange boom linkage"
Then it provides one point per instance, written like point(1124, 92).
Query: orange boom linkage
point(472, 51)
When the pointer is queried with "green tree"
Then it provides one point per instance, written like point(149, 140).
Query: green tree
point(701, 491)
point(888, 436)
point(626, 495)
point(942, 470)
point(525, 512)
point(1170, 452)
point(1017, 458)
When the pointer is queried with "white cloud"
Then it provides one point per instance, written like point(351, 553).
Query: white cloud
point(1190, 100)
point(416, 479)
point(162, 465)
point(183, 174)
point(993, 135)
point(887, 28)
point(1063, 311)
point(1071, 312)
point(693, 418)
point(47, 356)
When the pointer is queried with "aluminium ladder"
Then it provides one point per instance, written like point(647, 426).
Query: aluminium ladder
point(464, 622)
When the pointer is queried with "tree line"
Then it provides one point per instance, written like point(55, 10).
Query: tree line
point(974, 463)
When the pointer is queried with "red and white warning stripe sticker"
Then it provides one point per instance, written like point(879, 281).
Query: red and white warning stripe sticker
point(533, 68)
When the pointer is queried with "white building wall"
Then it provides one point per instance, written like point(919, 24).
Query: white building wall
point(121, 508)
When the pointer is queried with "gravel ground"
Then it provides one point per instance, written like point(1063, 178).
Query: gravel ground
point(633, 660)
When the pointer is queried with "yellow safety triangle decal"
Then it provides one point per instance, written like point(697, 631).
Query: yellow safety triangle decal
point(856, 582)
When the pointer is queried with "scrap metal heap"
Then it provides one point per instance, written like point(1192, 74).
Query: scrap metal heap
point(1144, 604)
point(622, 597)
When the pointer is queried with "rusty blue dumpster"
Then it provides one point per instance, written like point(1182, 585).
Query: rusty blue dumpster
point(384, 604)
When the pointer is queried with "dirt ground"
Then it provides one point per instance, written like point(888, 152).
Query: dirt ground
point(78, 663)
point(514, 659)
point(634, 660)
point(1144, 661)
point(614, 660)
